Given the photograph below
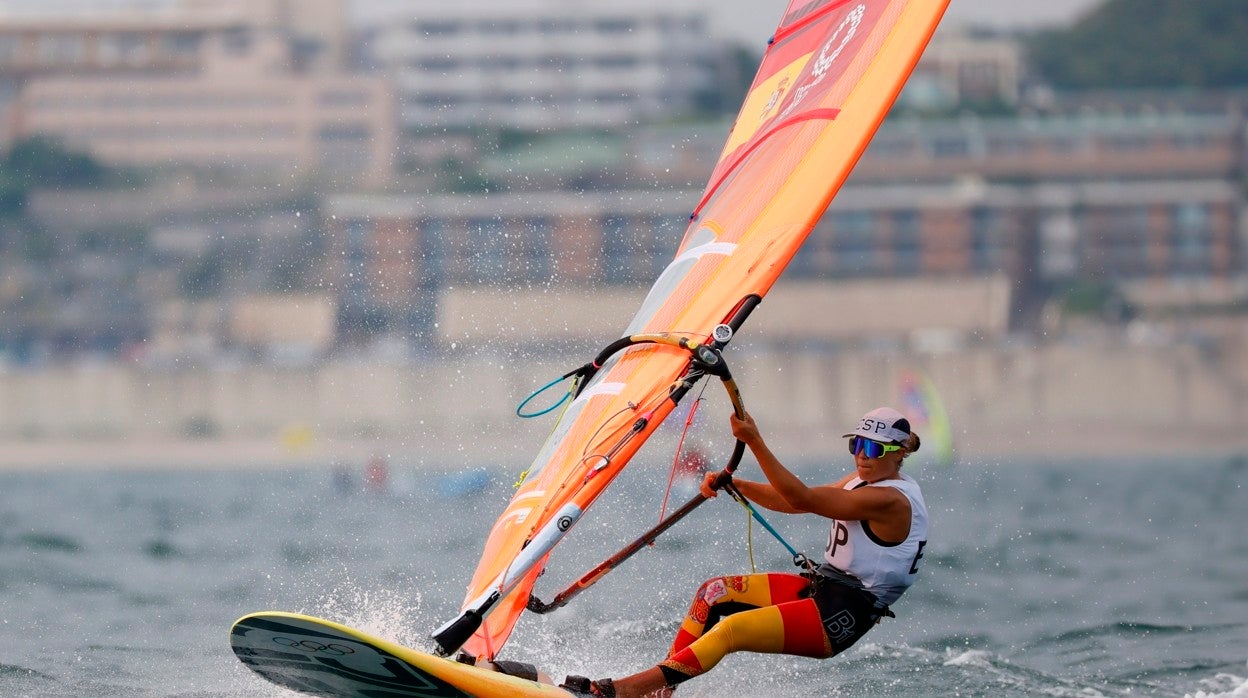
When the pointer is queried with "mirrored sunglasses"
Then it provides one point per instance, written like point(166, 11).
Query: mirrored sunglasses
point(869, 448)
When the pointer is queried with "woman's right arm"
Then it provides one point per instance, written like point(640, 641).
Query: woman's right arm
point(764, 495)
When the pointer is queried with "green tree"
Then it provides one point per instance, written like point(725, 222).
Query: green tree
point(1158, 44)
point(1092, 298)
point(41, 162)
point(12, 194)
point(44, 162)
point(737, 65)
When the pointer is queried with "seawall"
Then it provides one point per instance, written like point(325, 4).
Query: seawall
point(1100, 399)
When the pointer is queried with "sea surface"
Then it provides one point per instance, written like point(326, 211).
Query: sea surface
point(1041, 579)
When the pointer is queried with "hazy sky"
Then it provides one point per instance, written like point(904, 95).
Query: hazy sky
point(748, 20)
point(751, 21)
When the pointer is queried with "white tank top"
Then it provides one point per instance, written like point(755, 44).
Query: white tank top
point(885, 569)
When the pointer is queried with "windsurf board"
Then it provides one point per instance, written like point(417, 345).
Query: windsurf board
point(322, 658)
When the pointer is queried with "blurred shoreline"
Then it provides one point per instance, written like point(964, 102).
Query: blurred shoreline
point(1109, 443)
point(1062, 402)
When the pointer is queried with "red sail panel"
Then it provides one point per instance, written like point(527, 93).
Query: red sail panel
point(825, 84)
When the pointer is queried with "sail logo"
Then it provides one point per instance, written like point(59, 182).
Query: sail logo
point(825, 61)
point(518, 515)
point(839, 39)
point(702, 243)
point(515, 515)
point(774, 100)
point(600, 389)
point(720, 248)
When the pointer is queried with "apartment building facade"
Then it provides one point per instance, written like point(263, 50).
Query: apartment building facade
point(546, 64)
point(252, 88)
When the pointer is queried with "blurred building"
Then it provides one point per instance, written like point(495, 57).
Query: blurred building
point(1091, 146)
point(291, 325)
point(447, 268)
point(1151, 205)
point(1144, 191)
point(254, 87)
point(1149, 200)
point(546, 64)
point(391, 259)
point(961, 68)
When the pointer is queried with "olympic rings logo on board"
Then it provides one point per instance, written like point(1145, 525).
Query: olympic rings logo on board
point(312, 647)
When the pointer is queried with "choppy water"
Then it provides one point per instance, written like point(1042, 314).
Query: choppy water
point(1078, 579)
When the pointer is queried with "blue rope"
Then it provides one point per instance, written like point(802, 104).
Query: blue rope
point(539, 391)
point(776, 534)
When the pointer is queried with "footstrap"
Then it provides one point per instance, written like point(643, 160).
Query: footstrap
point(522, 670)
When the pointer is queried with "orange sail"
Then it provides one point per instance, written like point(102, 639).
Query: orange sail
point(829, 76)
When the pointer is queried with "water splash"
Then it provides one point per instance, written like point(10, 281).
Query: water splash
point(383, 612)
point(1222, 686)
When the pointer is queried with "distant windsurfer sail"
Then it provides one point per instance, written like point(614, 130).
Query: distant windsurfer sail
point(829, 75)
point(920, 401)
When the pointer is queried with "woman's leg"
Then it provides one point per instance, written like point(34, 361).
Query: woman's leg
point(723, 596)
point(755, 613)
point(792, 627)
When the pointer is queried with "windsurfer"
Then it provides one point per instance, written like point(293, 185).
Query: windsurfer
point(877, 534)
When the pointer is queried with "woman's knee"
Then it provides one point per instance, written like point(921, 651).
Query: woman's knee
point(716, 590)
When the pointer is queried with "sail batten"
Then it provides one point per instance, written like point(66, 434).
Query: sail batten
point(830, 74)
